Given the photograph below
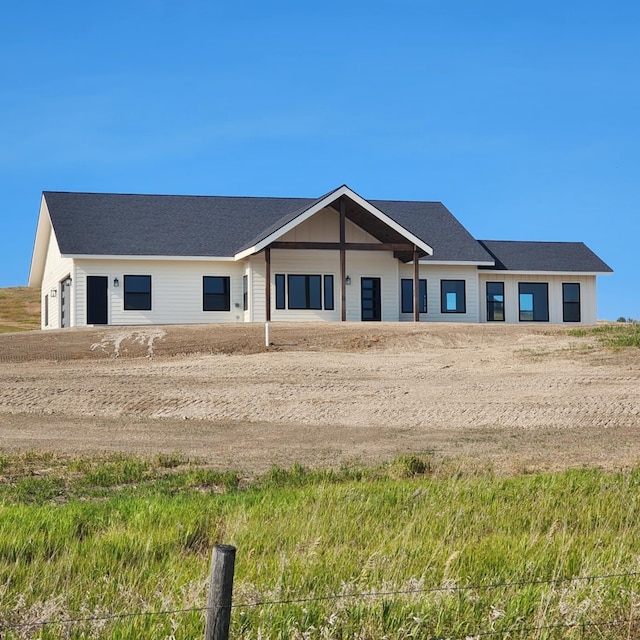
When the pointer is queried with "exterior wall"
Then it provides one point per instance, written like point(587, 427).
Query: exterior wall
point(56, 269)
point(434, 274)
point(176, 290)
point(588, 306)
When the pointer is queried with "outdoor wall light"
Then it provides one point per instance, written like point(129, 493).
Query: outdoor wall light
point(347, 280)
point(53, 293)
point(67, 282)
point(116, 282)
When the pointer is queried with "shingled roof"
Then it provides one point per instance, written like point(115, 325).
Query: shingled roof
point(220, 226)
point(567, 257)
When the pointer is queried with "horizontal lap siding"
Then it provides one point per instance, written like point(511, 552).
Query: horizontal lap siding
point(305, 262)
point(434, 274)
point(176, 291)
point(57, 268)
point(512, 310)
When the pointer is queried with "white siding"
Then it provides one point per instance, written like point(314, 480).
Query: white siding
point(57, 269)
point(587, 284)
point(176, 290)
point(434, 274)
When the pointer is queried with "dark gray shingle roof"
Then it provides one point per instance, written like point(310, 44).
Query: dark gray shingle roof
point(544, 256)
point(164, 225)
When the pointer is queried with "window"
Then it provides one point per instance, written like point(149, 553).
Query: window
point(495, 301)
point(570, 302)
point(216, 293)
point(452, 296)
point(534, 301)
point(137, 293)
point(46, 311)
point(245, 293)
point(406, 291)
point(304, 291)
point(279, 291)
point(328, 293)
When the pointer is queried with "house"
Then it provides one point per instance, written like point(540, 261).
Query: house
point(115, 259)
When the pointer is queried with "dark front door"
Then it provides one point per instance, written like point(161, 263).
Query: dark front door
point(97, 299)
point(370, 299)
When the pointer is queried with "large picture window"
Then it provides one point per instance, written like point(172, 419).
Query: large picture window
point(533, 298)
point(495, 301)
point(570, 302)
point(137, 293)
point(304, 292)
point(406, 301)
point(452, 296)
point(216, 294)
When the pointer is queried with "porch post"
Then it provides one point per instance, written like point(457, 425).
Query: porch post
point(343, 267)
point(416, 285)
point(267, 284)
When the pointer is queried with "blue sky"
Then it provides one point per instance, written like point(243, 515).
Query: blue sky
point(522, 118)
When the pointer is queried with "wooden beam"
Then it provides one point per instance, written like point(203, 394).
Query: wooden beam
point(347, 246)
point(416, 285)
point(267, 283)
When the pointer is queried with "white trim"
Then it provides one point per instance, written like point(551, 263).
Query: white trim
point(497, 272)
point(80, 256)
point(321, 204)
point(40, 246)
point(457, 263)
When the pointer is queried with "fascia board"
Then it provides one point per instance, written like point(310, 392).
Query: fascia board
point(546, 273)
point(40, 245)
point(83, 256)
point(321, 204)
point(458, 263)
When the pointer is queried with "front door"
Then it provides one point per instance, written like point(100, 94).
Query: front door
point(370, 299)
point(65, 292)
point(97, 299)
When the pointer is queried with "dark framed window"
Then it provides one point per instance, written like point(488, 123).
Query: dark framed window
point(304, 291)
point(570, 302)
point(46, 311)
point(137, 293)
point(216, 293)
point(245, 293)
point(406, 295)
point(328, 292)
point(495, 301)
point(452, 296)
point(280, 293)
point(533, 300)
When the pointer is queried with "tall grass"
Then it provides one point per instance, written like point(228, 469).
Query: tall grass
point(620, 334)
point(433, 544)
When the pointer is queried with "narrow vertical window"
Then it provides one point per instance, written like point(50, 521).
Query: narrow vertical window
point(328, 293)
point(406, 295)
point(571, 302)
point(495, 301)
point(452, 296)
point(280, 294)
point(245, 293)
point(216, 294)
point(46, 310)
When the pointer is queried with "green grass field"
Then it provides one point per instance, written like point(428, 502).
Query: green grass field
point(410, 551)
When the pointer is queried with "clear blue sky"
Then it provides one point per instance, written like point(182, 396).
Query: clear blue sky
point(523, 118)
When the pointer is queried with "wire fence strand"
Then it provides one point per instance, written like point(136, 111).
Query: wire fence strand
point(362, 595)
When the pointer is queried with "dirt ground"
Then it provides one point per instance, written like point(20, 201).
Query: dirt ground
point(513, 398)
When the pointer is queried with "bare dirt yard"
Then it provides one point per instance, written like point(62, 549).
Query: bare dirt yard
point(512, 398)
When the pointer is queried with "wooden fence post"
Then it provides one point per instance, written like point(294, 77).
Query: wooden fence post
point(223, 559)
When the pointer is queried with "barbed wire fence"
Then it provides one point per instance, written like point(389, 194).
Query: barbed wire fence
point(220, 605)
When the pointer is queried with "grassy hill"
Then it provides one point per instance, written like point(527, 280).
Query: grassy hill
point(19, 309)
